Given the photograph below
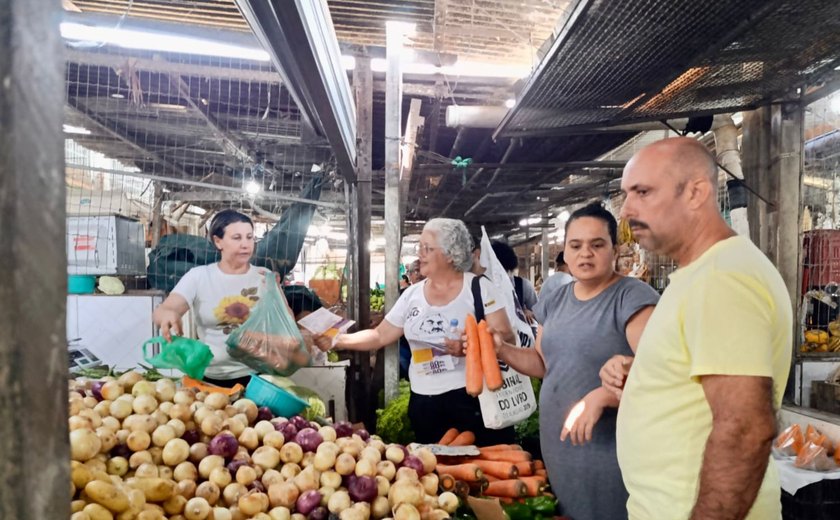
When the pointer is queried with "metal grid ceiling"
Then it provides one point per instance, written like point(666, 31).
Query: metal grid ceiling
point(650, 59)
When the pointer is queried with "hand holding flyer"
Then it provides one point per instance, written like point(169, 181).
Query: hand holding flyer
point(325, 323)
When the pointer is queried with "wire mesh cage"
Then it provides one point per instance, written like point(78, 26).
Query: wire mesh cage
point(158, 143)
point(820, 233)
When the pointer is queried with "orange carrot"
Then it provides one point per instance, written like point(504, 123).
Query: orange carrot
point(525, 469)
point(474, 376)
point(491, 478)
point(489, 362)
point(534, 485)
point(463, 439)
point(500, 470)
point(538, 464)
point(447, 482)
point(449, 436)
point(465, 472)
point(502, 447)
point(541, 473)
point(506, 456)
point(506, 488)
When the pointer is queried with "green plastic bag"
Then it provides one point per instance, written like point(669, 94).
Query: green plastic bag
point(269, 341)
point(190, 356)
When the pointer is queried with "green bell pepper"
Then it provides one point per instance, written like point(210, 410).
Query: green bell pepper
point(517, 511)
point(543, 505)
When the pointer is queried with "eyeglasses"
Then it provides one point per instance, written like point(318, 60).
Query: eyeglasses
point(423, 249)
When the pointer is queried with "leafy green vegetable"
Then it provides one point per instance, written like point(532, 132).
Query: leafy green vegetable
point(392, 422)
point(529, 429)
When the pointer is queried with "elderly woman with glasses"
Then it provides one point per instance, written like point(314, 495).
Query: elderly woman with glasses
point(424, 314)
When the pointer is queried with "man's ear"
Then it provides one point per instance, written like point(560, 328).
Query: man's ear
point(699, 190)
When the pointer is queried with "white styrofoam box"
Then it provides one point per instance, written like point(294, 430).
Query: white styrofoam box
point(805, 373)
point(113, 328)
point(329, 382)
point(107, 244)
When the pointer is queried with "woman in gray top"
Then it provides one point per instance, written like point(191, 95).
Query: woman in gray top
point(584, 324)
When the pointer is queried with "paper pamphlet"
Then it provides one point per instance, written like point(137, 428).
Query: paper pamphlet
point(326, 323)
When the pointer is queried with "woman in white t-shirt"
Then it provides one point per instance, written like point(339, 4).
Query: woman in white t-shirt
point(221, 296)
point(423, 314)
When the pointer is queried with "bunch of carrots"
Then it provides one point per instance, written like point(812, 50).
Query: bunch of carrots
point(482, 366)
point(503, 471)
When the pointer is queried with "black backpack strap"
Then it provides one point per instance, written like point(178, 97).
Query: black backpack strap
point(479, 303)
point(519, 288)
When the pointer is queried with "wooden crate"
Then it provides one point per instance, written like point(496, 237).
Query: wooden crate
point(826, 396)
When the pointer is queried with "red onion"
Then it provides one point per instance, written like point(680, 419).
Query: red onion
point(410, 461)
point(343, 429)
point(224, 444)
point(191, 436)
point(96, 390)
point(299, 422)
point(264, 414)
point(308, 501)
point(309, 439)
point(362, 489)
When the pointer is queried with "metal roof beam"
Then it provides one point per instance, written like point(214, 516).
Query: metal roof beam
point(300, 38)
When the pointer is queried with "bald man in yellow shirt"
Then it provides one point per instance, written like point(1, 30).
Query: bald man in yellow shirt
point(698, 408)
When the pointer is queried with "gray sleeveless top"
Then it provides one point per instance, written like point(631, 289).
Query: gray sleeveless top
point(578, 338)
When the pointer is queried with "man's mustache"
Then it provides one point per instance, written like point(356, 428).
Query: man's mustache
point(637, 224)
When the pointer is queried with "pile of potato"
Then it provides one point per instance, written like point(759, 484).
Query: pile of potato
point(150, 450)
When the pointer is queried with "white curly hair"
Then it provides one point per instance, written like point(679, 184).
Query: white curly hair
point(454, 240)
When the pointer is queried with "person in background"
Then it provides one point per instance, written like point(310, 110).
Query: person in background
point(698, 409)
point(423, 313)
point(584, 324)
point(414, 276)
point(560, 278)
point(221, 296)
point(523, 287)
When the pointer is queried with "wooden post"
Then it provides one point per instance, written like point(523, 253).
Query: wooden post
point(393, 118)
point(363, 86)
point(157, 212)
point(787, 166)
point(412, 126)
point(34, 446)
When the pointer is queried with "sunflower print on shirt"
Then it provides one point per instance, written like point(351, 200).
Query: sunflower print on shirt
point(233, 311)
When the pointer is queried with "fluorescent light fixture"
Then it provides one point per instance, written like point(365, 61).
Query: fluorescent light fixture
point(510, 103)
point(404, 28)
point(530, 221)
point(564, 216)
point(252, 188)
point(79, 130)
point(152, 41)
point(348, 62)
point(835, 104)
point(167, 107)
point(117, 95)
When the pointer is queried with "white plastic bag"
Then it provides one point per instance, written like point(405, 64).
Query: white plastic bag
point(515, 401)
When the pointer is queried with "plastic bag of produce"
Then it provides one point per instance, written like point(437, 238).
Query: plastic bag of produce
point(269, 340)
point(789, 442)
point(190, 356)
point(814, 456)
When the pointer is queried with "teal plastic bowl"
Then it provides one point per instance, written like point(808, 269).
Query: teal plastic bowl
point(81, 284)
point(279, 401)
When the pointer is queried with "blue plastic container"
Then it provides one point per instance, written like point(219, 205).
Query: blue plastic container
point(279, 401)
point(81, 284)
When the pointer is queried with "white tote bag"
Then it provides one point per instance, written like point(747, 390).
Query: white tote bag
point(515, 401)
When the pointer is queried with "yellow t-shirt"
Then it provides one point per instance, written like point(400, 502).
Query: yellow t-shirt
point(726, 313)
